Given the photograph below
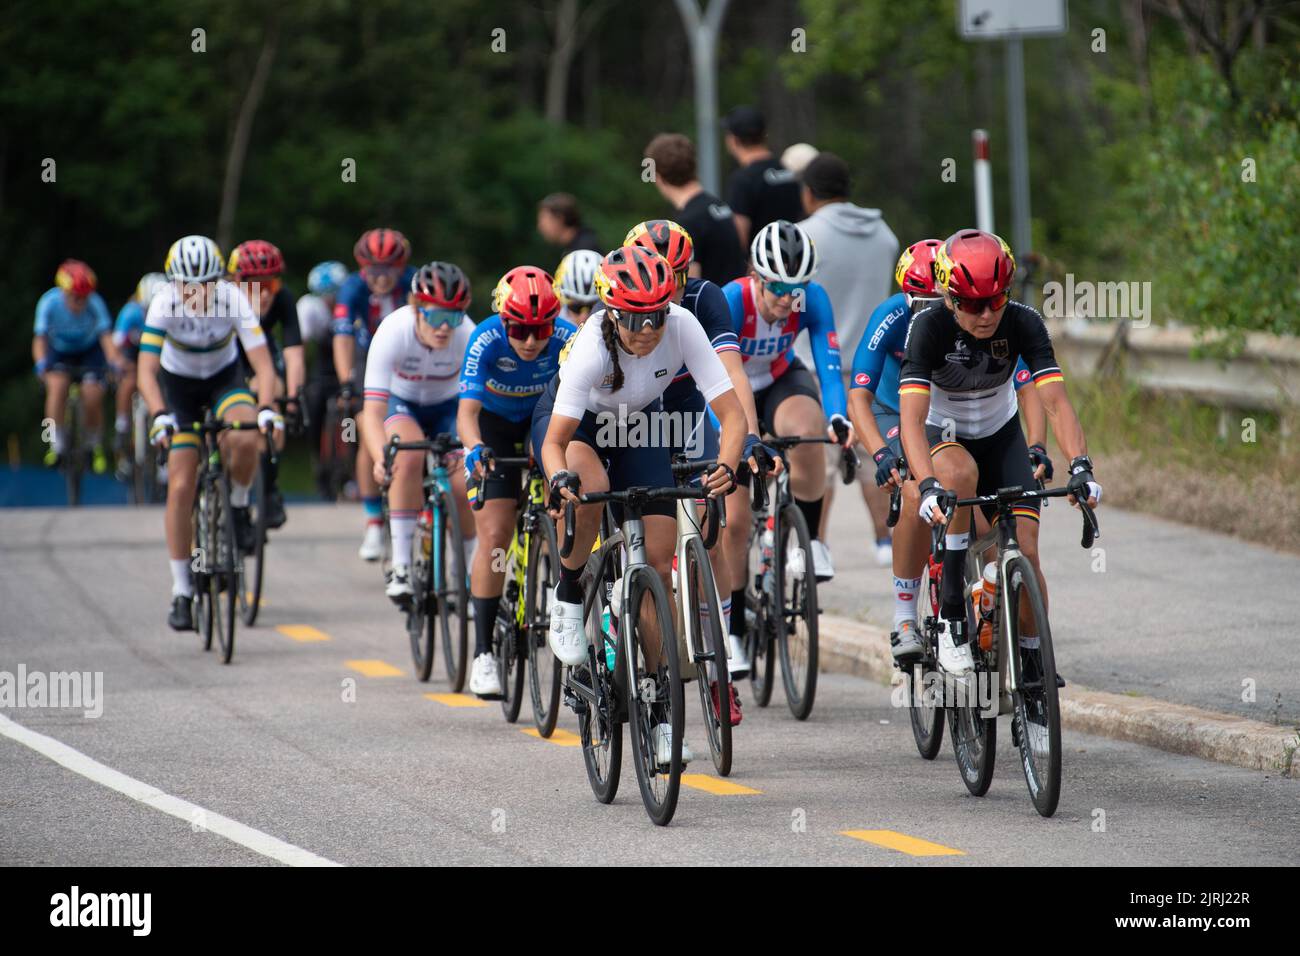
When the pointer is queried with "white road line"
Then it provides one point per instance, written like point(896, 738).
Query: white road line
point(255, 840)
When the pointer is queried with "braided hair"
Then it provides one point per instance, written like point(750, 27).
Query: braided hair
point(609, 332)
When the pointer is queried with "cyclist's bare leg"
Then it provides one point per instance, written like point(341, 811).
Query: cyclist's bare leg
point(1027, 535)
point(496, 524)
point(734, 540)
point(911, 541)
point(56, 396)
point(241, 448)
point(405, 490)
point(468, 529)
point(92, 406)
point(125, 390)
point(182, 473)
point(800, 415)
point(956, 471)
point(585, 463)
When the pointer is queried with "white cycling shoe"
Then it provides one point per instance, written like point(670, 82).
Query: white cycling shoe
point(485, 677)
point(821, 556)
point(885, 553)
point(954, 658)
point(567, 637)
point(664, 747)
point(372, 545)
point(737, 662)
point(399, 584)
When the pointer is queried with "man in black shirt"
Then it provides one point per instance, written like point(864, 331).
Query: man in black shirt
point(560, 224)
point(719, 256)
point(761, 190)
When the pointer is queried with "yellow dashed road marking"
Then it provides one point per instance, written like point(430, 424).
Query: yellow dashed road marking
point(893, 840)
point(716, 785)
point(302, 632)
point(561, 738)
point(374, 668)
point(457, 700)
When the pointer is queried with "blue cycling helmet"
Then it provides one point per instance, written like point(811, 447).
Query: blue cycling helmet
point(326, 278)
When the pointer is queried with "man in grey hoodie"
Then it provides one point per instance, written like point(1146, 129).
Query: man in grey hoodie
point(856, 252)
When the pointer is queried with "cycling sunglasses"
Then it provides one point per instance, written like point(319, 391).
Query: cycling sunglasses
point(434, 316)
point(782, 289)
point(977, 306)
point(522, 332)
point(635, 321)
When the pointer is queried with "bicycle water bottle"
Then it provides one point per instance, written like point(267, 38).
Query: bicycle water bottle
point(988, 601)
point(609, 623)
point(766, 543)
point(424, 523)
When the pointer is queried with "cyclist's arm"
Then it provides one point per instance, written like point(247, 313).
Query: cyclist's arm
point(825, 349)
point(264, 377)
point(467, 422)
point(380, 362)
point(40, 348)
point(922, 353)
point(111, 351)
point(735, 366)
point(345, 339)
point(146, 381)
point(879, 339)
point(559, 432)
point(1036, 349)
point(1031, 407)
point(864, 419)
point(40, 340)
point(1065, 422)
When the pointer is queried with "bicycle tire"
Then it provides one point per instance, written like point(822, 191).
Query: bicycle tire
point(250, 583)
point(538, 587)
point(510, 653)
point(759, 643)
point(421, 621)
point(927, 722)
point(202, 603)
point(1035, 701)
point(600, 726)
point(798, 651)
point(453, 594)
point(226, 580)
point(659, 797)
point(698, 587)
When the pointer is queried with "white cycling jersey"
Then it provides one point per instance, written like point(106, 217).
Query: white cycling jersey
point(400, 364)
point(587, 374)
point(315, 319)
point(197, 340)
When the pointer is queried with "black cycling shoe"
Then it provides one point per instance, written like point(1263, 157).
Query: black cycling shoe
point(245, 533)
point(274, 505)
point(181, 617)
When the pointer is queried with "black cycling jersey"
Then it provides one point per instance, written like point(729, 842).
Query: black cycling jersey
point(969, 380)
point(765, 191)
point(713, 233)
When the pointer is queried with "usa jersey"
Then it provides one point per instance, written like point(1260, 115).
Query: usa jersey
point(495, 375)
point(358, 311)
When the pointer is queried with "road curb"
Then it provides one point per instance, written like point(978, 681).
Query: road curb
point(853, 647)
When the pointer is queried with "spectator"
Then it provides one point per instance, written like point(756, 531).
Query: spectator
point(762, 190)
point(719, 256)
point(797, 157)
point(856, 252)
point(560, 224)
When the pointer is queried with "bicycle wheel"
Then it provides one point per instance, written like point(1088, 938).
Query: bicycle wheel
point(924, 710)
point(796, 629)
point(421, 619)
point(252, 565)
point(700, 599)
point(202, 603)
point(759, 629)
point(544, 668)
point(452, 591)
point(600, 708)
point(655, 695)
point(225, 582)
point(508, 646)
point(1036, 703)
point(974, 736)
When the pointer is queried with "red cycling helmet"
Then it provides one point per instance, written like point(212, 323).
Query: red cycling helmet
point(255, 259)
point(383, 248)
point(635, 279)
point(666, 238)
point(915, 271)
point(76, 277)
point(973, 265)
point(441, 284)
point(526, 294)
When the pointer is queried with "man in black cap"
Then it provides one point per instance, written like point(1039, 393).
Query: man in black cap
point(761, 190)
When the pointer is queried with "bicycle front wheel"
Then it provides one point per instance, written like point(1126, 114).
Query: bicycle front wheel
point(544, 674)
point(656, 701)
point(421, 617)
point(1036, 701)
point(699, 598)
point(200, 566)
point(225, 579)
point(511, 654)
point(797, 615)
point(759, 627)
point(924, 710)
point(250, 583)
point(451, 585)
point(595, 688)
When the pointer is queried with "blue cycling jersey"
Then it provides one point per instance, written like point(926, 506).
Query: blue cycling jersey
point(129, 325)
point(879, 357)
point(67, 331)
point(768, 347)
point(704, 300)
point(495, 375)
point(358, 312)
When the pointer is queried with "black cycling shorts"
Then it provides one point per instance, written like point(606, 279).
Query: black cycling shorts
point(186, 398)
point(507, 439)
point(797, 380)
point(1002, 460)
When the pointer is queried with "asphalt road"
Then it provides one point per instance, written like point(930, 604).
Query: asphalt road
point(396, 777)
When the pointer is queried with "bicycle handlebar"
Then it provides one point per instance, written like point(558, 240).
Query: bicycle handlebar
point(492, 460)
point(635, 496)
point(1004, 498)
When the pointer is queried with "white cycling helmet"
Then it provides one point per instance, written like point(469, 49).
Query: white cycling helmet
point(326, 277)
point(783, 252)
point(195, 259)
point(575, 278)
point(149, 286)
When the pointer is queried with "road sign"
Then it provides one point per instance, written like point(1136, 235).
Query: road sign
point(1004, 19)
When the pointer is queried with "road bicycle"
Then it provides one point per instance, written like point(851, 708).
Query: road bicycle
point(145, 468)
point(337, 454)
point(532, 567)
point(439, 599)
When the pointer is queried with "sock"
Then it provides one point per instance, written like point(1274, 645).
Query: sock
point(569, 589)
point(401, 527)
point(952, 603)
point(470, 545)
point(905, 594)
point(885, 541)
point(374, 510)
point(239, 494)
point(726, 615)
point(737, 622)
point(121, 424)
point(812, 514)
point(485, 618)
point(182, 583)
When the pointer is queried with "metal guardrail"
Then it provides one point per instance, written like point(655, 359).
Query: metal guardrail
point(1265, 375)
